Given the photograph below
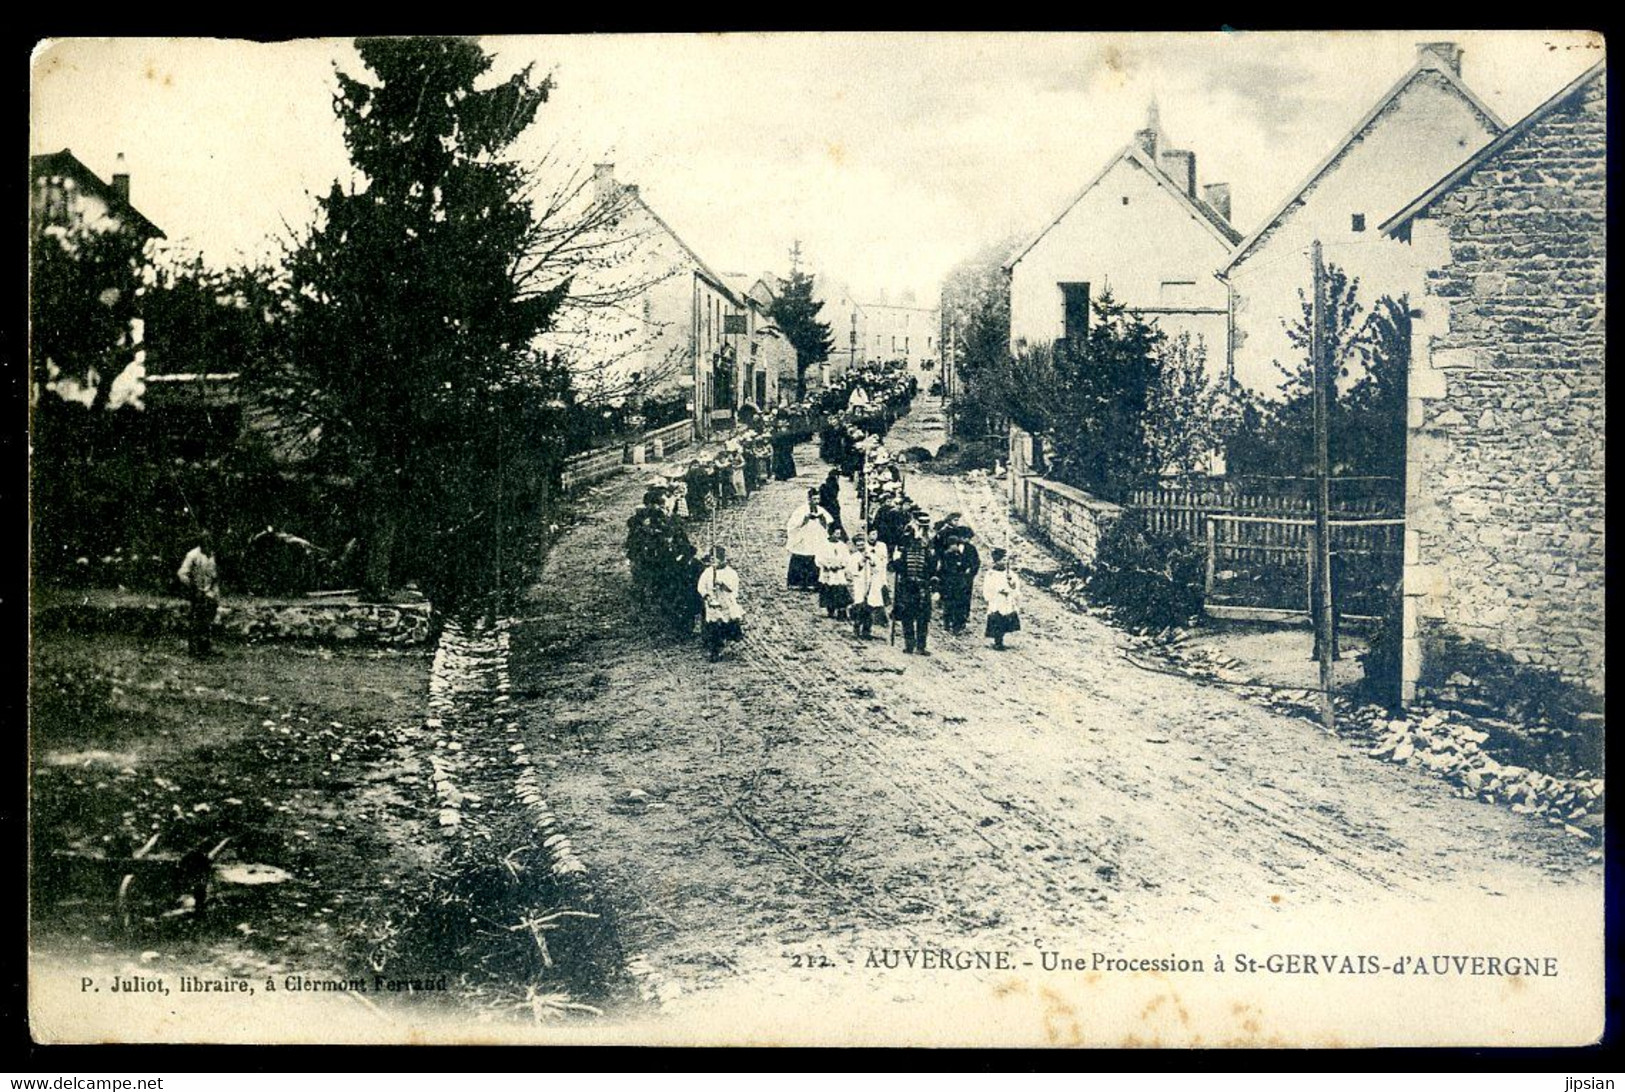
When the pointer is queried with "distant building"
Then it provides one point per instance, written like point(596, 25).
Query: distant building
point(898, 331)
point(1504, 485)
point(1424, 125)
point(1140, 231)
point(66, 196)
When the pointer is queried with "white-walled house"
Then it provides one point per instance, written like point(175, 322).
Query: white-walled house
point(654, 318)
point(900, 331)
point(1425, 124)
point(1139, 231)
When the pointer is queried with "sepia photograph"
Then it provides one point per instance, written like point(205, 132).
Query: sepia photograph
point(804, 539)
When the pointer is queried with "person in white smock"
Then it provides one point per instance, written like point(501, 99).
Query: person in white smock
point(1002, 589)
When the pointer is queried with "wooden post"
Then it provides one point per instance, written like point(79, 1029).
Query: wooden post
point(1212, 557)
point(1323, 537)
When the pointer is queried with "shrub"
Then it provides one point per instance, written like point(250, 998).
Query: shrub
point(1150, 580)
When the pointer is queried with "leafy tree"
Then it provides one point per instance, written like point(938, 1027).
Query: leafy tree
point(82, 302)
point(1365, 395)
point(415, 307)
point(199, 320)
point(795, 312)
point(1105, 382)
point(976, 325)
point(1190, 415)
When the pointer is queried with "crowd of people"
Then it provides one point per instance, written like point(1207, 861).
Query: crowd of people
point(885, 563)
point(848, 557)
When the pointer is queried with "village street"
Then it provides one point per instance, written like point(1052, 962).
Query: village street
point(813, 797)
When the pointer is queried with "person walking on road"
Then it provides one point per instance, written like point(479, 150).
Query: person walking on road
point(200, 576)
point(805, 533)
point(959, 564)
point(829, 496)
point(719, 589)
point(834, 590)
point(917, 576)
point(1002, 589)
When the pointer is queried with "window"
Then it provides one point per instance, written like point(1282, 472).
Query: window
point(1075, 310)
point(905, 344)
point(1125, 199)
point(1357, 221)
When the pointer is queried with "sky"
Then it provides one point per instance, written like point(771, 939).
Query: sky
point(890, 157)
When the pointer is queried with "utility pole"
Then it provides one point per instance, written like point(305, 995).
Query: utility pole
point(1323, 537)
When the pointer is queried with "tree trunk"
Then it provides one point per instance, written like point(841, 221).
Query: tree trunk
point(377, 566)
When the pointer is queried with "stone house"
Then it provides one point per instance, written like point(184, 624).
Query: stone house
point(1140, 231)
point(1504, 483)
point(1422, 127)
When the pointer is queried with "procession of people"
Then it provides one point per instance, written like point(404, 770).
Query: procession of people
point(880, 560)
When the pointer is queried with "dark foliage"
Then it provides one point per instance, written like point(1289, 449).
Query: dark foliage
point(1149, 580)
point(411, 340)
point(795, 311)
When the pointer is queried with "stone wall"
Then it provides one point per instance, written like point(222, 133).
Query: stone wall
point(1505, 463)
point(397, 625)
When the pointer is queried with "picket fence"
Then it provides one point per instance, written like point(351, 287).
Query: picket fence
point(1259, 537)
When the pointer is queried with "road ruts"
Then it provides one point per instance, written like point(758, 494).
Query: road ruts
point(817, 793)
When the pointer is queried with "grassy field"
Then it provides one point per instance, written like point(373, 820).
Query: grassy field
point(294, 759)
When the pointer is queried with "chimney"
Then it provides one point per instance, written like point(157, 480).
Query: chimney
point(603, 181)
point(1448, 52)
point(1217, 196)
point(1179, 165)
point(1149, 137)
point(121, 180)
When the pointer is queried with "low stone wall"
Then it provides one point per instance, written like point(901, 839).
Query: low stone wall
point(1069, 520)
point(391, 625)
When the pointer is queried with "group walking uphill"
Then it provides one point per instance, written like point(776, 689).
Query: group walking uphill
point(888, 562)
point(688, 586)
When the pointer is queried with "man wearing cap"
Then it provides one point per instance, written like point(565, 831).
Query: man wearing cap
point(915, 564)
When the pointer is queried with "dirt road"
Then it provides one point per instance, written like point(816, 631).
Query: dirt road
point(815, 797)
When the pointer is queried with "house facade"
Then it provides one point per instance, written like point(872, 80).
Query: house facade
point(658, 321)
point(896, 331)
point(1139, 232)
point(1428, 122)
point(1504, 484)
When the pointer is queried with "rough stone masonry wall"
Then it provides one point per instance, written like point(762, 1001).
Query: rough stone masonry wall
point(1070, 520)
point(398, 625)
point(1505, 474)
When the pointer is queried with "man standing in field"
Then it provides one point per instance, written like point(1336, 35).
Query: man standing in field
point(200, 576)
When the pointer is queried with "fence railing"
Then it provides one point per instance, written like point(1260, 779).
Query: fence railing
point(1259, 535)
point(594, 466)
point(1265, 564)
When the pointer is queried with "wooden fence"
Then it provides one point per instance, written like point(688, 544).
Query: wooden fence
point(1259, 535)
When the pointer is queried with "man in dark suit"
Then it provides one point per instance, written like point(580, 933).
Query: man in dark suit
point(916, 566)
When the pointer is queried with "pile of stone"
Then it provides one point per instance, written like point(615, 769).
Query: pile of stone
point(1450, 745)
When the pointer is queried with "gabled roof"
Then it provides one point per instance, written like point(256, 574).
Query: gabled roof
point(1196, 207)
point(67, 164)
point(1484, 154)
point(1428, 61)
point(704, 270)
